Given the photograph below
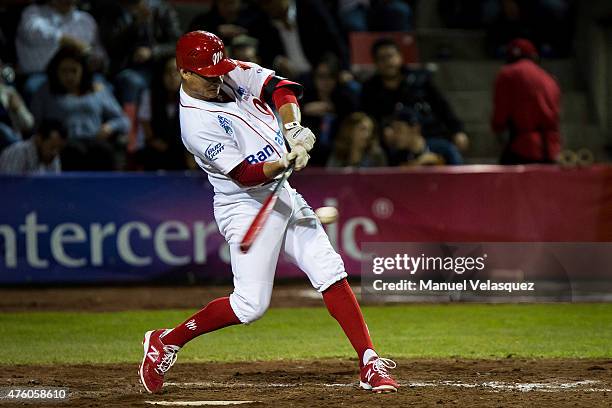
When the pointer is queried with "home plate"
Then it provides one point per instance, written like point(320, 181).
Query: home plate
point(197, 403)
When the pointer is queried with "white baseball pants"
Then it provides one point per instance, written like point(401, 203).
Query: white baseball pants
point(291, 227)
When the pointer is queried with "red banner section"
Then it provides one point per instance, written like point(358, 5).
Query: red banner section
point(463, 204)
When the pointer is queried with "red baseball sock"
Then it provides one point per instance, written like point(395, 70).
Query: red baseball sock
point(343, 306)
point(215, 315)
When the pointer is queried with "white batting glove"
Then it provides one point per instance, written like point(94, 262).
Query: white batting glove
point(297, 134)
point(298, 155)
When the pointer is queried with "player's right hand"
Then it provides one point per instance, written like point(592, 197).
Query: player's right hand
point(299, 155)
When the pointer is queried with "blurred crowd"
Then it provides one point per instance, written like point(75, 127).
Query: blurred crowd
point(92, 85)
point(549, 24)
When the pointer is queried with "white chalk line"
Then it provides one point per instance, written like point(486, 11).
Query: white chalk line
point(492, 385)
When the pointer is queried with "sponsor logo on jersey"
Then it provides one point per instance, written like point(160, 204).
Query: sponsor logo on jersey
point(213, 150)
point(226, 124)
point(243, 93)
point(261, 156)
point(279, 139)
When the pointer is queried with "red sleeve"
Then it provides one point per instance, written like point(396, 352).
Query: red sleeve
point(280, 91)
point(282, 96)
point(249, 174)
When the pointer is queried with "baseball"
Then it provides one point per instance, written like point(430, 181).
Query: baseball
point(327, 215)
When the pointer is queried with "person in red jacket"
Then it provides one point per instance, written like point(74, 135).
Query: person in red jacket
point(527, 104)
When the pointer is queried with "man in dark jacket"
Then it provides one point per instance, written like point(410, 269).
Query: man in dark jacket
point(395, 87)
point(295, 34)
point(527, 104)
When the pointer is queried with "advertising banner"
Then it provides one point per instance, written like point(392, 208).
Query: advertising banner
point(121, 227)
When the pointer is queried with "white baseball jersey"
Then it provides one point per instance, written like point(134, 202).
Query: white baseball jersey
point(221, 135)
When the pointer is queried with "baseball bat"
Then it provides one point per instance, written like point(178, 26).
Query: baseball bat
point(264, 212)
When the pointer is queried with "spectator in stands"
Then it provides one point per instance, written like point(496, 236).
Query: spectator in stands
point(245, 48)
point(137, 33)
point(394, 86)
point(89, 111)
point(159, 120)
point(46, 27)
point(226, 18)
point(375, 15)
point(405, 145)
point(527, 104)
point(357, 144)
point(326, 102)
point(296, 35)
point(15, 118)
point(38, 154)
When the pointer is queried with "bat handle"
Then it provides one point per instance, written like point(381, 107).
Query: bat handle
point(262, 216)
point(284, 178)
point(289, 169)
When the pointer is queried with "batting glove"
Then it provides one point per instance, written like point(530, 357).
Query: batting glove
point(297, 154)
point(297, 134)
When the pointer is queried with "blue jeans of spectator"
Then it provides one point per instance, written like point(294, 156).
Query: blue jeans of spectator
point(130, 84)
point(446, 149)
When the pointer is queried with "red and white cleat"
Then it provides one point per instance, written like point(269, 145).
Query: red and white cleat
point(376, 378)
point(158, 358)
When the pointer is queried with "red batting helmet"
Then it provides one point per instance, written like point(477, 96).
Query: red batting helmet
point(203, 53)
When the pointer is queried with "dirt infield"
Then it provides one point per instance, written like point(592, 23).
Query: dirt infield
point(425, 383)
point(112, 299)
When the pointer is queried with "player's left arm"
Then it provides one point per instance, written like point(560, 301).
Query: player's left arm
point(284, 94)
point(280, 93)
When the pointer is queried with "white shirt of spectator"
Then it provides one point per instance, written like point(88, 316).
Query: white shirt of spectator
point(290, 37)
point(40, 30)
point(222, 135)
point(22, 158)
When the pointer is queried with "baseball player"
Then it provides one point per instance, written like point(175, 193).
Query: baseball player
point(228, 124)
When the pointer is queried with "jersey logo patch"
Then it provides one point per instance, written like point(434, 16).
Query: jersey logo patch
point(212, 151)
point(261, 155)
point(226, 124)
point(243, 93)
